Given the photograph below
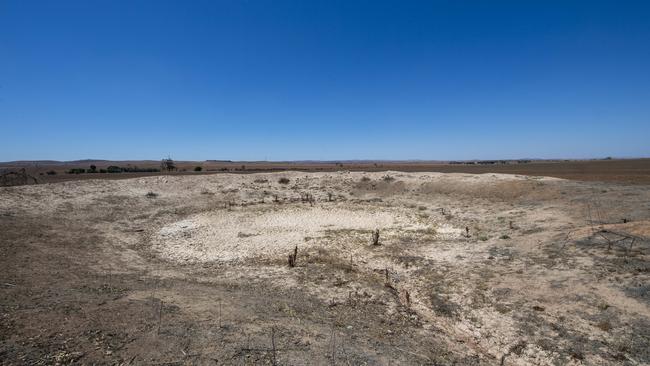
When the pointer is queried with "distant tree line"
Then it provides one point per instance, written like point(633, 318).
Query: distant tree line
point(112, 169)
point(491, 162)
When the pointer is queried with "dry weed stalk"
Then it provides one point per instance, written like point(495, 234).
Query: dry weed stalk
point(293, 257)
point(375, 237)
point(307, 198)
point(387, 281)
point(333, 359)
point(273, 360)
point(407, 298)
point(160, 315)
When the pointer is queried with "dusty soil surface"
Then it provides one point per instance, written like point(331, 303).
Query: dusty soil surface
point(470, 269)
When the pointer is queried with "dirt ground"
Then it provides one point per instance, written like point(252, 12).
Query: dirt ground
point(470, 269)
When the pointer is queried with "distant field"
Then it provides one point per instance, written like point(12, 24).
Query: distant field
point(636, 171)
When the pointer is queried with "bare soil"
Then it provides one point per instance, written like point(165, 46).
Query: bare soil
point(470, 269)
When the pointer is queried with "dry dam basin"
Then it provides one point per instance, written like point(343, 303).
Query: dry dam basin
point(336, 268)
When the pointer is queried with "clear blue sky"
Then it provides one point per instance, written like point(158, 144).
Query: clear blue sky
point(293, 80)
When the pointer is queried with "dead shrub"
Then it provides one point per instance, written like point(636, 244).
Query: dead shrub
point(375, 237)
point(604, 325)
point(293, 257)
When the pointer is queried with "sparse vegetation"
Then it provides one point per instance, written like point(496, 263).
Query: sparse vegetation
point(307, 197)
point(216, 244)
point(283, 180)
point(16, 178)
point(198, 168)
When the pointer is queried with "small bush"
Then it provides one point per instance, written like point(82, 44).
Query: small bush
point(483, 237)
point(76, 171)
point(135, 169)
point(365, 179)
point(198, 169)
point(50, 172)
point(443, 306)
point(114, 169)
point(102, 170)
point(504, 237)
point(604, 325)
point(388, 178)
point(283, 180)
point(151, 195)
point(261, 180)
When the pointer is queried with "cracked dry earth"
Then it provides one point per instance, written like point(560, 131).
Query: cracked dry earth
point(470, 269)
